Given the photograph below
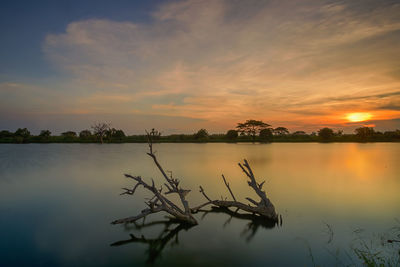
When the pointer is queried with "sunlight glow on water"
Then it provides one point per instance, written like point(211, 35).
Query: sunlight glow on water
point(57, 201)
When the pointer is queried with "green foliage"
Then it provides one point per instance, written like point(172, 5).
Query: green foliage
point(326, 134)
point(232, 134)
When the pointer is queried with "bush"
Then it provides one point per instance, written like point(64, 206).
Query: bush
point(201, 134)
point(232, 134)
point(266, 135)
point(326, 134)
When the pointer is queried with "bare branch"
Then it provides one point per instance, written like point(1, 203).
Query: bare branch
point(263, 208)
point(166, 205)
point(227, 185)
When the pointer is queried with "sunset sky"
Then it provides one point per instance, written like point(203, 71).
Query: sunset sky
point(180, 66)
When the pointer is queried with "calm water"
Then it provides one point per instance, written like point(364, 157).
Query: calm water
point(57, 202)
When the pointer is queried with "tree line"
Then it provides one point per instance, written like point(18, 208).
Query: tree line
point(248, 131)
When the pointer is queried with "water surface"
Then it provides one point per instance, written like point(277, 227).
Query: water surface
point(57, 202)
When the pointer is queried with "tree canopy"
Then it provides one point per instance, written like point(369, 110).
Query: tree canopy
point(281, 131)
point(252, 127)
point(326, 134)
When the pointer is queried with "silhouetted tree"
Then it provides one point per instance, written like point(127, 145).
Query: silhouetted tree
point(326, 134)
point(364, 133)
point(155, 134)
point(6, 133)
point(252, 127)
point(281, 131)
point(232, 134)
point(119, 134)
point(69, 134)
point(100, 129)
point(392, 135)
point(299, 133)
point(266, 135)
point(339, 133)
point(44, 135)
point(85, 134)
point(201, 134)
point(22, 132)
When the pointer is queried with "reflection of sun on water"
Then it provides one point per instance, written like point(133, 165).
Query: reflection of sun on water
point(360, 116)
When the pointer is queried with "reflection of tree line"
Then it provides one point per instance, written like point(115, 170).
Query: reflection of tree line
point(248, 131)
point(171, 228)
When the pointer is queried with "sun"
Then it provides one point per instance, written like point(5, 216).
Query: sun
point(359, 116)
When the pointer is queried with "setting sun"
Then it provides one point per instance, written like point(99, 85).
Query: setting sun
point(357, 117)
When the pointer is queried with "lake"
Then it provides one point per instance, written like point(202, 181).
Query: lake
point(57, 202)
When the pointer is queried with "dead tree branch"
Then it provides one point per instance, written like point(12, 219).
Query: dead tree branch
point(159, 202)
point(263, 207)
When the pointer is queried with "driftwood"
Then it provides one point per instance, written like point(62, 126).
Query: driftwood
point(159, 202)
point(263, 207)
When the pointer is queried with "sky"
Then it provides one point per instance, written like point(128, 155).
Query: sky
point(179, 66)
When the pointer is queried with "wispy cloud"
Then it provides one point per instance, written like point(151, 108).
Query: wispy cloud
point(224, 61)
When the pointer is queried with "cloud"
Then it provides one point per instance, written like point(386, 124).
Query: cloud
point(225, 61)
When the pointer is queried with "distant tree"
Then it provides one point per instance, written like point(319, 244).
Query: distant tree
point(364, 133)
point(22, 132)
point(281, 131)
point(326, 134)
point(69, 134)
point(119, 134)
point(299, 133)
point(155, 134)
point(201, 134)
point(266, 135)
point(252, 127)
point(6, 133)
point(114, 133)
point(392, 135)
point(45, 133)
point(232, 134)
point(339, 133)
point(85, 134)
point(110, 133)
point(100, 130)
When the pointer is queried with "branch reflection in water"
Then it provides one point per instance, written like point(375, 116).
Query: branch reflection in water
point(171, 229)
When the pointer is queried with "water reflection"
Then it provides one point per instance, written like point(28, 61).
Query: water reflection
point(168, 235)
point(255, 222)
point(348, 186)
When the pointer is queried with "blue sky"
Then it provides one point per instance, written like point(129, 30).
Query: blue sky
point(183, 65)
point(25, 24)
